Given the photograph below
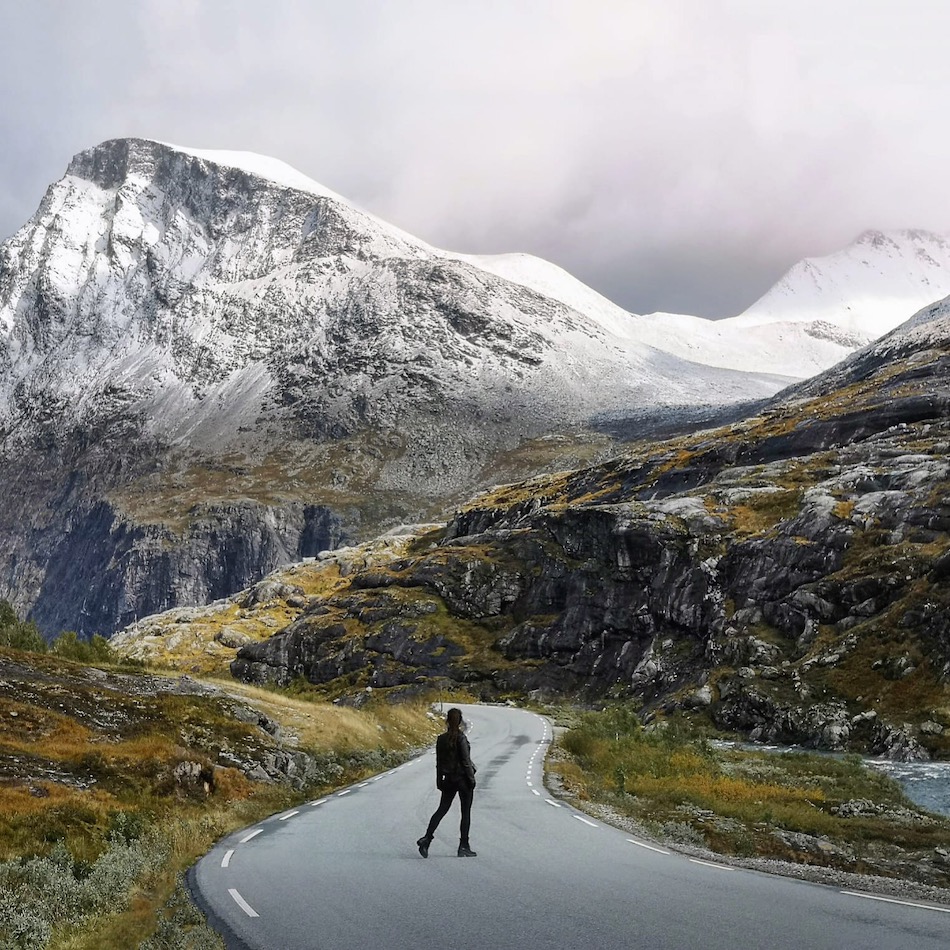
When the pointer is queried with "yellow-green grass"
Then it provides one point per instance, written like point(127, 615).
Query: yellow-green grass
point(734, 800)
point(82, 757)
point(570, 450)
point(193, 645)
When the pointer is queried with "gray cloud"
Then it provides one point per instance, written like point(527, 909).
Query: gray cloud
point(674, 154)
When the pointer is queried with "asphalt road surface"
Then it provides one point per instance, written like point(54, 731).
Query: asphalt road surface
point(343, 872)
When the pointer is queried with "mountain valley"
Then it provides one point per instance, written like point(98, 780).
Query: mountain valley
point(213, 366)
point(308, 472)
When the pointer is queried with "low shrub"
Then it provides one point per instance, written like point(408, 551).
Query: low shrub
point(689, 790)
point(40, 894)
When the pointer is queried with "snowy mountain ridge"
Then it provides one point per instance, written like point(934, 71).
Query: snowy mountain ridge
point(864, 286)
point(107, 218)
point(820, 311)
point(211, 365)
point(157, 269)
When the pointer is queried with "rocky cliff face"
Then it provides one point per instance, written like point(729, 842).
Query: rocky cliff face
point(785, 576)
point(210, 362)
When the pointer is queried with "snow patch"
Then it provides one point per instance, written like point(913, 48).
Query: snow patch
point(261, 165)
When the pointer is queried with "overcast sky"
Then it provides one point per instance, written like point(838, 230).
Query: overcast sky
point(674, 154)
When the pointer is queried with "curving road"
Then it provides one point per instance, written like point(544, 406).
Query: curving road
point(343, 872)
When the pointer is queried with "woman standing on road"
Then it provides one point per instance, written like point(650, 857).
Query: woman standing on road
point(454, 774)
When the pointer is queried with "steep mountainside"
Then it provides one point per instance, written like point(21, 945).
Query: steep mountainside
point(211, 364)
point(786, 576)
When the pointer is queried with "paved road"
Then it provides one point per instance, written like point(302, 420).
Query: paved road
point(343, 872)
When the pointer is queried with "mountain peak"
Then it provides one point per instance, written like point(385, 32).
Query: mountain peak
point(111, 162)
point(869, 287)
point(896, 238)
point(262, 166)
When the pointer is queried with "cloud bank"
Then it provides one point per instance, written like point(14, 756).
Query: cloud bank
point(674, 155)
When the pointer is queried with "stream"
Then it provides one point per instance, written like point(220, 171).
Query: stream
point(927, 784)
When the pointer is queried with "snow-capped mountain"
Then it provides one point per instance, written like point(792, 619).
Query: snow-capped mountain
point(821, 310)
point(209, 286)
point(210, 363)
point(870, 287)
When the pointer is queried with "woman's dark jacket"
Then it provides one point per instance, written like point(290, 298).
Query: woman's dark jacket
point(453, 762)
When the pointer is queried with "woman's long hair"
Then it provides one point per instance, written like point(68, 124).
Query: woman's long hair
point(453, 723)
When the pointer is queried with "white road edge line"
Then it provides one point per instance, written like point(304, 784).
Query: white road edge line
point(320, 802)
point(555, 804)
point(226, 860)
point(536, 792)
point(649, 847)
point(894, 900)
point(253, 834)
point(709, 864)
point(243, 904)
point(586, 822)
point(289, 814)
point(362, 785)
point(345, 791)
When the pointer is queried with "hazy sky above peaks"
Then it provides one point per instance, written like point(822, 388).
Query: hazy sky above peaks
point(673, 154)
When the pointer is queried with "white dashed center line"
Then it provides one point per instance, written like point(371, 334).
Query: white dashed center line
point(649, 847)
point(243, 904)
point(894, 900)
point(709, 864)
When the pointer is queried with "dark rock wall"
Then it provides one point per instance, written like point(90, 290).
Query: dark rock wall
point(108, 571)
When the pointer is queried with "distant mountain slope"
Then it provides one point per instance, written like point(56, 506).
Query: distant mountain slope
point(821, 310)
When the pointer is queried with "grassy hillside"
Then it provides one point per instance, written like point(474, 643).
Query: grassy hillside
point(113, 781)
point(795, 807)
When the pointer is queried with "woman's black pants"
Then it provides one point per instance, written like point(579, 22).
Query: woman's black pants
point(449, 790)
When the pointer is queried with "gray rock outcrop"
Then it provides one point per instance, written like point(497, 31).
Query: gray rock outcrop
point(786, 577)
